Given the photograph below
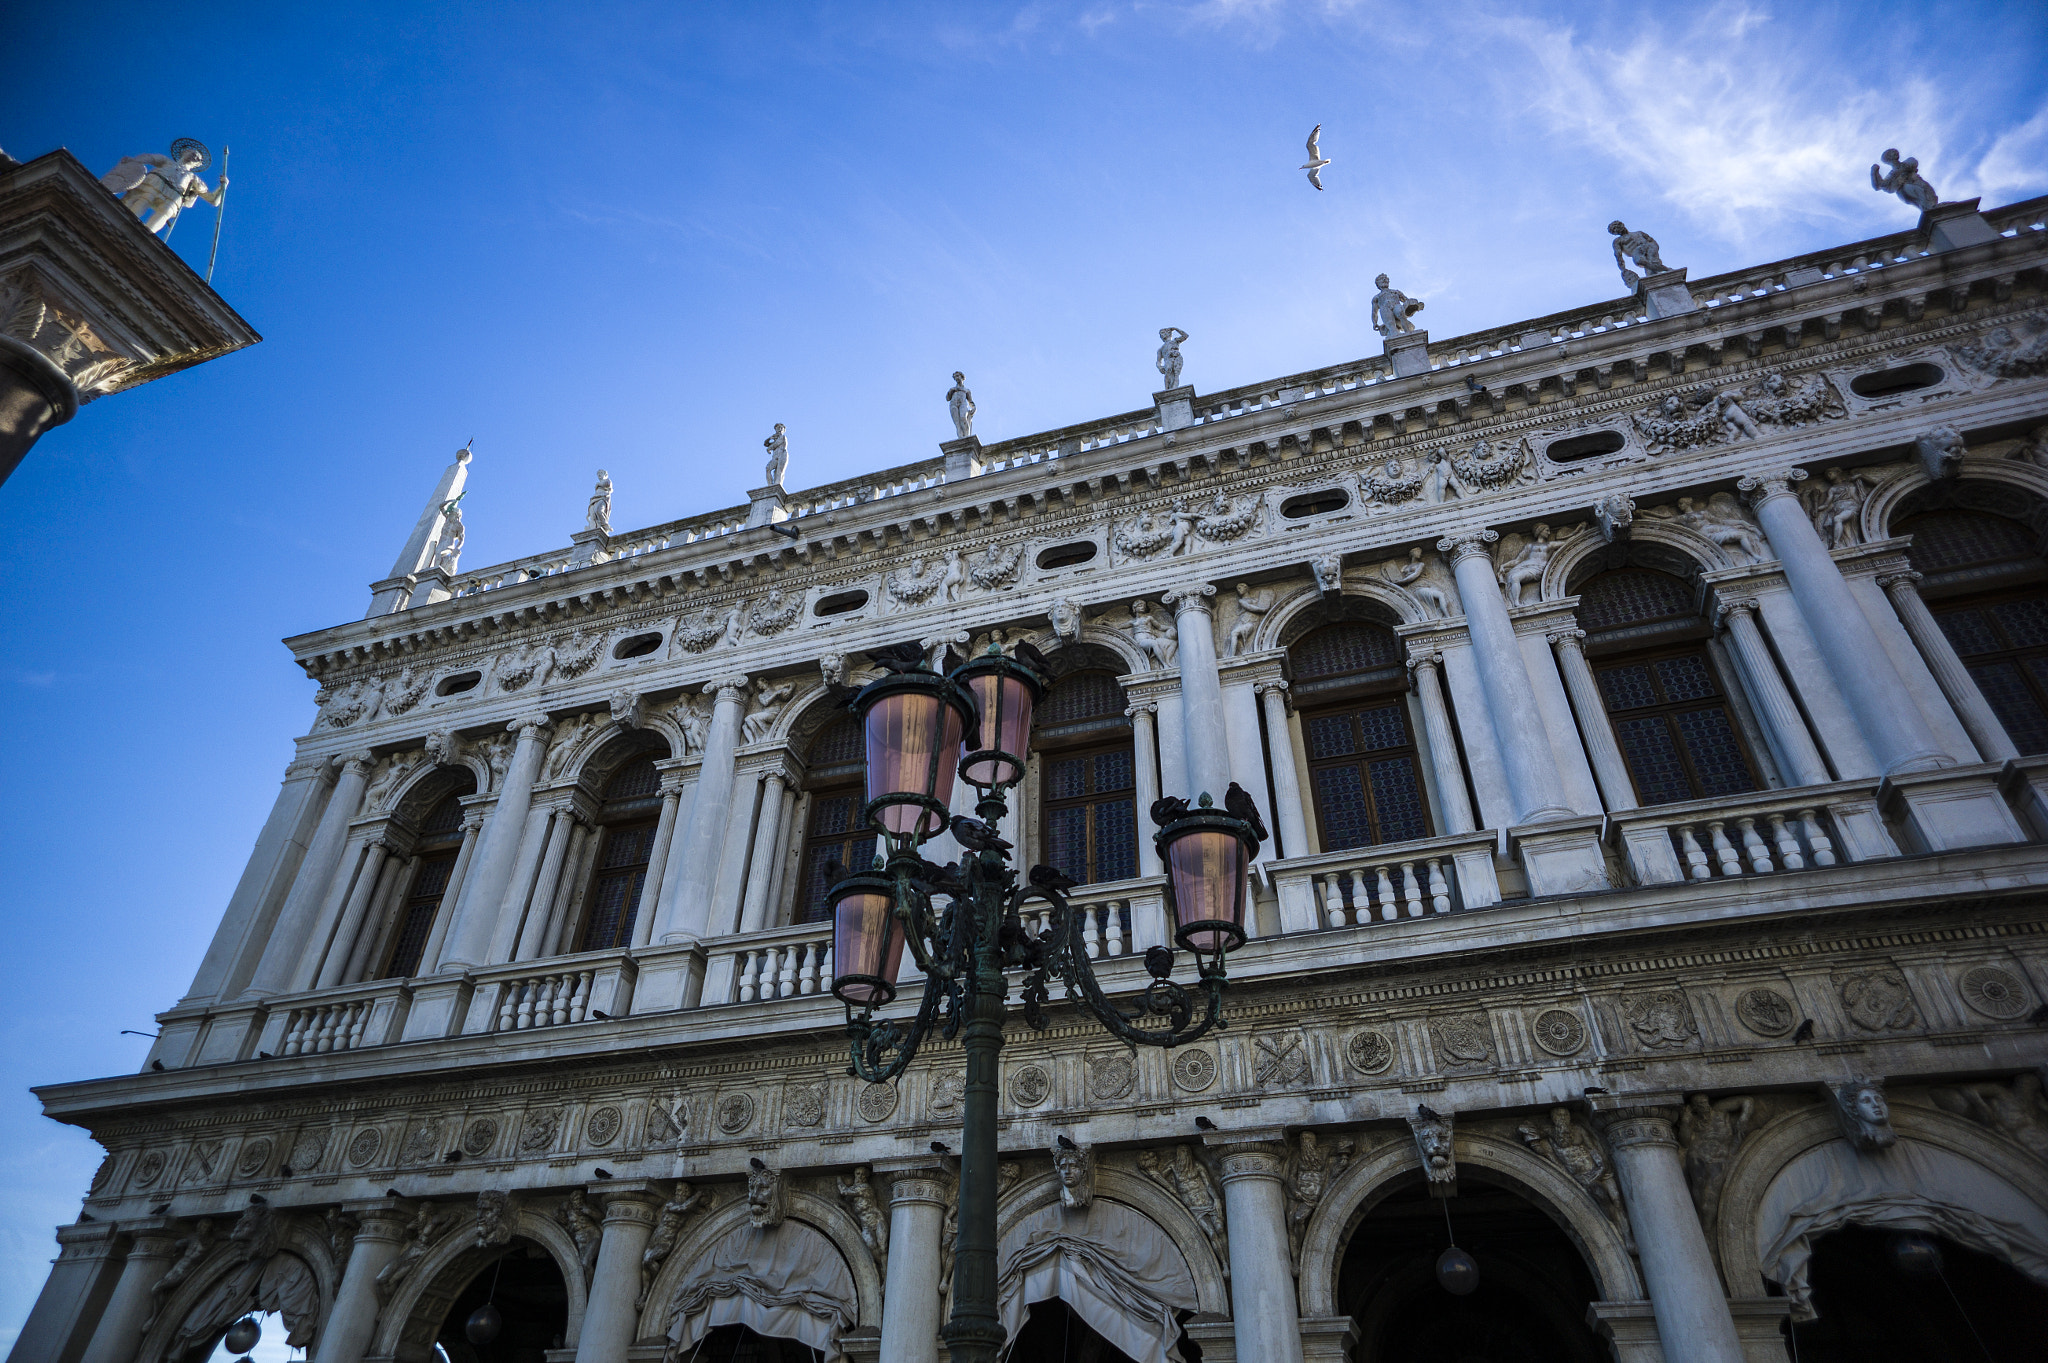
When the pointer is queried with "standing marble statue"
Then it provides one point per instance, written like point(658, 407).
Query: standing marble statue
point(1391, 310)
point(598, 516)
point(777, 446)
point(1904, 179)
point(960, 403)
point(1639, 247)
point(157, 188)
point(448, 549)
point(1169, 361)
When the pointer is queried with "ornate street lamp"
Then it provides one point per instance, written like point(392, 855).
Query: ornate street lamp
point(964, 926)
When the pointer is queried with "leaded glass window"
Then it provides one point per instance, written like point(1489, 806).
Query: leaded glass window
point(2003, 641)
point(1633, 596)
point(440, 840)
point(1345, 647)
point(1090, 813)
point(836, 834)
point(1364, 774)
point(1674, 727)
point(621, 879)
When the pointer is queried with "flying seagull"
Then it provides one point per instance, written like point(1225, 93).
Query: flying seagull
point(1316, 160)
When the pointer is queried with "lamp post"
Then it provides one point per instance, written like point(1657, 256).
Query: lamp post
point(914, 721)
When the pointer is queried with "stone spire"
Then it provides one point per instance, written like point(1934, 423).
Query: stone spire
point(416, 559)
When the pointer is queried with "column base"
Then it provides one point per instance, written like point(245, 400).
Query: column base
point(1946, 227)
point(438, 1007)
point(1562, 856)
point(671, 977)
point(1176, 407)
point(1760, 1325)
point(1952, 808)
point(1409, 353)
point(1630, 1327)
point(1665, 294)
point(2025, 783)
point(1325, 1339)
point(231, 1034)
point(865, 1346)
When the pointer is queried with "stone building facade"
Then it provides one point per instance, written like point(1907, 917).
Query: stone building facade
point(1650, 705)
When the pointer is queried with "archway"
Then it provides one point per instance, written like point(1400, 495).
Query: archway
point(525, 1284)
point(1055, 1332)
point(1882, 1299)
point(1534, 1287)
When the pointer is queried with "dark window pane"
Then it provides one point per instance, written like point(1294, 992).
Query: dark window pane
point(1066, 779)
point(1627, 596)
point(2025, 622)
point(832, 814)
point(1397, 799)
point(1716, 755)
point(627, 847)
point(432, 877)
point(1969, 631)
point(1382, 727)
point(1347, 646)
point(1083, 696)
point(446, 818)
point(838, 743)
point(1330, 736)
point(1686, 677)
point(635, 780)
point(1340, 795)
point(1066, 840)
point(1652, 756)
point(2014, 703)
point(1113, 770)
point(1955, 538)
point(612, 903)
point(1116, 841)
point(422, 904)
point(1627, 688)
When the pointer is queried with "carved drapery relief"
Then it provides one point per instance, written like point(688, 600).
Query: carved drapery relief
point(1715, 416)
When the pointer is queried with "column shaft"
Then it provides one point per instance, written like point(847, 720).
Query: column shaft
point(469, 939)
point(609, 1320)
point(119, 1333)
point(1443, 744)
point(1201, 693)
point(346, 1335)
point(1262, 1303)
point(515, 910)
point(1616, 787)
point(1290, 816)
point(267, 878)
point(657, 861)
point(761, 866)
point(295, 921)
point(1771, 697)
point(391, 887)
point(1685, 1289)
point(1981, 722)
point(540, 918)
point(1504, 679)
point(911, 1311)
point(1145, 761)
point(369, 879)
point(777, 902)
point(451, 895)
point(340, 890)
point(683, 915)
point(574, 874)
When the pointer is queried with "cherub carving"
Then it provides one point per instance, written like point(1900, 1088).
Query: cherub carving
point(1143, 537)
point(1251, 610)
point(995, 568)
point(1524, 561)
point(1579, 1154)
point(1159, 649)
point(1310, 1170)
point(428, 1225)
point(859, 1196)
point(1836, 507)
point(1904, 179)
point(774, 614)
point(1182, 1173)
point(189, 1250)
point(1392, 309)
point(1395, 480)
point(914, 585)
point(1424, 575)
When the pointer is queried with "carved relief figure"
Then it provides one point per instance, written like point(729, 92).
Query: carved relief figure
point(1066, 619)
point(1712, 1133)
point(1310, 1171)
point(1778, 401)
point(1722, 520)
point(598, 515)
point(448, 548)
point(407, 692)
point(913, 586)
point(1182, 1173)
point(1074, 1166)
point(1433, 1143)
point(667, 1230)
point(1523, 561)
point(767, 1202)
point(1863, 1114)
point(189, 1249)
point(2016, 1109)
point(1392, 309)
point(955, 576)
point(1439, 479)
point(1903, 178)
point(777, 445)
point(859, 1196)
point(1836, 507)
point(1423, 574)
point(585, 1227)
point(1329, 573)
point(2015, 350)
point(1576, 1151)
point(960, 405)
point(428, 1225)
point(1251, 610)
point(1637, 247)
point(770, 698)
point(1169, 360)
point(1394, 481)
point(995, 568)
point(1159, 649)
point(1488, 467)
point(1141, 538)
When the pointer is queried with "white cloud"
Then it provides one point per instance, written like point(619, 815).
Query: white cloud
point(2015, 166)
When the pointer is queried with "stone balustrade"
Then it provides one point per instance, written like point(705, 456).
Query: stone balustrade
point(1361, 885)
point(1775, 831)
point(781, 963)
point(547, 1000)
point(526, 995)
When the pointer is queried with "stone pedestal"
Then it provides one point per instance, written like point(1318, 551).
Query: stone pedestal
point(1952, 808)
point(1760, 1325)
point(762, 504)
point(1945, 227)
point(91, 302)
point(1630, 1329)
point(73, 1296)
point(963, 457)
point(1176, 407)
point(593, 546)
point(1562, 856)
point(1409, 354)
point(1665, 294)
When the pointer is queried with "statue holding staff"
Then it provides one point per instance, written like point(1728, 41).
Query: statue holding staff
point(156, 188)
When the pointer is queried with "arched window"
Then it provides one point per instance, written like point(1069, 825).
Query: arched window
point(440, 839)
point(632, 809)
point(1364, 775)
point(1087, 779)
point(1982, 577)
point(1664, 696)
point(835, 833)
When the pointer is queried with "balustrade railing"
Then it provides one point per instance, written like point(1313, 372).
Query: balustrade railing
point(325, 1027)
point(1764, 834)
point(550, 999)
point(1362, 885)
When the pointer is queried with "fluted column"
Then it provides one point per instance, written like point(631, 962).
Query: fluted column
point(379, 1236)
point(609, 1320)
point(1685, 1289)
point(368, 875)
point(760, 866)
point(1769, 695)
point(1504, 679)
point(321, 935)
point(657, 858)
point(533, 936)
point(1145, 759)
point(295, 921)
point(266, 879)
point(685, 914)
point(515, 909)
point(1289, 813)
point(129, 1309)
point(1885, 710)
point(1201, 691)
point(911, 1312)
point(1424, 666)
point(1979, 720)
point(1262, 1302)
point(391, 890)
point(575, 872)
point(1616, 788)
point(451, 895)
point(469, 940)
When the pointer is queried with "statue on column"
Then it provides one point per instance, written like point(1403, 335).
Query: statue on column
point(448, 549)
point(598, 516)
point(1904, 179)
point(960, 403)
point(1639, 247)
point(777, 446)
point(156, 188)
point(1391, 310)
point(1169, 355)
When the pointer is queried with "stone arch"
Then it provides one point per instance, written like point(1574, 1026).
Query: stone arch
point(301, 1240)
point(609, 747)
point(825, 1216)
point(420, 792)
point(1146, 1198)
point(1807, 1131)
point(1666, 546)
point(1898, 493)
point(1101, 646)
point(1371, 1177)
point(415, 1310)
point(810, 711)
point(1305, 607)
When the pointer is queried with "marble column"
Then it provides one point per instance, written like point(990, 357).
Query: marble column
point(469, 940)
point(515, 909)
point(657, 857)
point(1145, 759)
point(792, 839)
point(1201, 692)
point(1262, 1302)
point(266, 879)
point(761, 866)
point(685, 915)
point(391, 890)
point(68, 1307)
point(1533, 782)
point(350, 1324)
point(1423, 666)
point(609, 1320)
point(911, 1312)
point(1616, 789)
point(533, 934)
point(1290, 816)
point(368, 876)
point(451, 895)
point(1885, 710)
point(575, 875)
point(1769, 694)
point(1979, 720)
point(1685, 1289)
point(128, 1311)
point(296, 920)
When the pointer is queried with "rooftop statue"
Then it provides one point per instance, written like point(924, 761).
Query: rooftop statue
point(960, 403)
point(156, 188)
point(777, 446)
point(1639, 247)
point(1903, 179)
point(448, 549)
point(599, 515)
point(1391, 310)
point(1169, 354)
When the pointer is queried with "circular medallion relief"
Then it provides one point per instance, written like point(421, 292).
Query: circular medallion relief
point(1765, 1012)
point(735, 1112)
point(480, 1136)
point(1111, 1076)
point(1369, 1052)
point(363, 1148)
point(1559, 1031)
point(804, 1105)
point(1194, 1069)
point(307, 1150)
point(255, 1157)
point(876, 1102)
point(603, 1126)
point(1994, 992)
point(1030, 1085)
point(150, 1170)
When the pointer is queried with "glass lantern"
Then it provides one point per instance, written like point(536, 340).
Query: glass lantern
point(867, 941)
point(1005, 693)
point(1208, 857)
point(914, 723)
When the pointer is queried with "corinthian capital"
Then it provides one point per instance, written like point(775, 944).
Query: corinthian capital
point(1466, 545)
point(1192, 596)
point(727, 690)
point(1770, 483)
point(529, 723)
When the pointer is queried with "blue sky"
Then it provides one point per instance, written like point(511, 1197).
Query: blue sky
point(637, 236)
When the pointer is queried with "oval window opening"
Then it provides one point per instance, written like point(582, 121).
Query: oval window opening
point(1584, 446)
point(1066, 555)
point(638, 646)
point(1884, 382)
point(1315, 503)
point(460, 682)
point(840, 604)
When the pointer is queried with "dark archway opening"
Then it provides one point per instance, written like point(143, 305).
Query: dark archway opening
point(1054, 1333)
point(528, 1291)
point(1977, 1309)
point(738, 1344)
point(1534, 1286)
